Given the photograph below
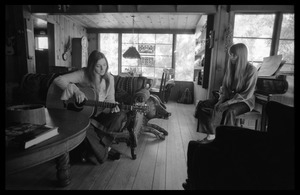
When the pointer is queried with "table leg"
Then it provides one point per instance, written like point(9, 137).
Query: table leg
point(63, 170)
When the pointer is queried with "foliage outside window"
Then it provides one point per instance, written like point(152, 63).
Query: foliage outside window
point(109, 46)
point(287, 41)
point(256, 31)
point(185, 57)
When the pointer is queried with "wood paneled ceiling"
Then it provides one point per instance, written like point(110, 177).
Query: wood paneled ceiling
point(119, 17)
point(167, 21)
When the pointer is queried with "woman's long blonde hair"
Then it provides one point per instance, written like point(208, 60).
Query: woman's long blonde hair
point(241, 51)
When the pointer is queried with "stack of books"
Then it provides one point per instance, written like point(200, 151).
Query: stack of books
point(25, 135)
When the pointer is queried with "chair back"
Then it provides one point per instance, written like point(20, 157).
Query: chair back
point(168, 73)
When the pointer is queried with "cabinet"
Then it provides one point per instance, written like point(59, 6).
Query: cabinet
point(79, 52)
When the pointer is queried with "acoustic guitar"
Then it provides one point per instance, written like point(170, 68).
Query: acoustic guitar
point(87, 107)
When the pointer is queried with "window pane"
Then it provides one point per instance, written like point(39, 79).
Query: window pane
point(253, 25)
point(165, 50)
point(158, 74)
point(287, 28)
point(286, 48)
point(164, 38)
point(257, 48)
point(128, 37)
point(148, 72)
point(146, 38)
point(163, 61)
point(127, 61)
point(185, 57)
point(42, 43)
point(109, 46)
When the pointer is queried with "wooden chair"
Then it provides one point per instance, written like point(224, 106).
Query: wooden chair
point(253, 115)
point(240, 119)
point(160, 92)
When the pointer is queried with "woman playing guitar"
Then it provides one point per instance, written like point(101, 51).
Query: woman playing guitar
point(96, 76)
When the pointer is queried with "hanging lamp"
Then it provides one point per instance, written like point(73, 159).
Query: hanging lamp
point(131, 52)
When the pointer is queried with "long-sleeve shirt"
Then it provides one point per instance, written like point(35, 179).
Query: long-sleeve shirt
point(246, 94)
point(67, 83)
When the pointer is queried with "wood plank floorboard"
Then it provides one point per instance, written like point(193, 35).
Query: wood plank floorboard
point(160, 164)
point(159, 178)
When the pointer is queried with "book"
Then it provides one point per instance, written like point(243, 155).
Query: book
point(271, 66)
point(25, 135)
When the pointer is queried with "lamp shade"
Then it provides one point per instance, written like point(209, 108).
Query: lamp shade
point(132, 53)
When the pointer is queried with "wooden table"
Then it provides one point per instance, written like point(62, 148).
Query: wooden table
point(72, 128)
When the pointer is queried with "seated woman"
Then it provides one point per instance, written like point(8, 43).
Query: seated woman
point(236, 94)
point(95, 75)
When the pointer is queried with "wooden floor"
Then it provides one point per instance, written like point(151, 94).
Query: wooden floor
point(160, 164)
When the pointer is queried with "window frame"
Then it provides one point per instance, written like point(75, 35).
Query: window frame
point(37, 42)
point(153, 55)
point(275, 39)
point(173, 58)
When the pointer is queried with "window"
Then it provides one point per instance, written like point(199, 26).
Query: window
point(155, 51)
point(257, 31)
point(156, 54)
point(41, 43)
point(185, 57)
point(129, 40)
point(109, 46)
point(287, 41)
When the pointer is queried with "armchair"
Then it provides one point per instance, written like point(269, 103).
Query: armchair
point(129, 91)
point(241, 158)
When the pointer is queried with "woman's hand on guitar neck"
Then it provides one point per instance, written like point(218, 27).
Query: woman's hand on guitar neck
point(115, 109)
point(110, 110)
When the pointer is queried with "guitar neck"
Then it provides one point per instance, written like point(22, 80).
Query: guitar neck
point(107, 105)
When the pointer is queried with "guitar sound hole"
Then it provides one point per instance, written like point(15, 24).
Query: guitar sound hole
point(75, 106)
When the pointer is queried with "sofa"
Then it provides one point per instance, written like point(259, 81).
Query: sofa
point(128, 90)
point(245, 159)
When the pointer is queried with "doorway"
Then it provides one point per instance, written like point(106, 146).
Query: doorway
point(44, 45)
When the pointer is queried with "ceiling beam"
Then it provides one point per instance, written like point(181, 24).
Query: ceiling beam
point(157, 8)
point(96, 9)
point(208, 9)
point(262, 8)
point(141, 31)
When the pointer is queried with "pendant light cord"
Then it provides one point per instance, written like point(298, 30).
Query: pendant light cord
point(132, 30)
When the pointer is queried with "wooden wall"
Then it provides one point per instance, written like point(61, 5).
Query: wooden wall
point(18, 63)
point(179, 88)
point(65, 29)
point(93, 42)
point(218, 55)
